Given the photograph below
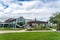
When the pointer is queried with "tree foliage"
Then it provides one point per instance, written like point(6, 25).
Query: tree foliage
point(56, 19)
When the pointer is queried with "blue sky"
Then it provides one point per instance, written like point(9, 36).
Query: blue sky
point(30, 9)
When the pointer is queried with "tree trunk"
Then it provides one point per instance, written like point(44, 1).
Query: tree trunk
point(58, 26)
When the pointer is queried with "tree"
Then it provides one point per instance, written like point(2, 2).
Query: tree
point(56, 19)
point(53, 20)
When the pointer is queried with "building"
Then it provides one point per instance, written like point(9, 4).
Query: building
point(22, 22)
point(37, 23)
point(15, 23)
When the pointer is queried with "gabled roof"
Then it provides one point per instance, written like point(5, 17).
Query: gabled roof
point(28, 20)
point(10, 19)
point(37, 22)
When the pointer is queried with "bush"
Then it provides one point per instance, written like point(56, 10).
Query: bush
point(54, 27)
point(30, 29)
point(41, 28)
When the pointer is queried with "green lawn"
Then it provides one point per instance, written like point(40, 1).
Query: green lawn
point(11, 28)
point(31, 36)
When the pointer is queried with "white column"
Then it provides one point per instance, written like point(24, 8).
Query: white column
point(3, 25)
point(15, 23)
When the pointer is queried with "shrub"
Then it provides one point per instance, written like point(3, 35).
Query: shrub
point(41, 28)
point(30, 29)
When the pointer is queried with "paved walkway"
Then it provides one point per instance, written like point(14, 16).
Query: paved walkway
point(14, 31)
point(11, 31)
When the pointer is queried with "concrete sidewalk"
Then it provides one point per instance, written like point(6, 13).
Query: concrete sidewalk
point(14, 31)
point(11, 31)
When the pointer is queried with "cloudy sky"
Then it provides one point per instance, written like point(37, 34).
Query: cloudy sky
point(30, 9)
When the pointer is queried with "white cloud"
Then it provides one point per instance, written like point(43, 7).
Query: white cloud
point(29, 9)
point(1, 7)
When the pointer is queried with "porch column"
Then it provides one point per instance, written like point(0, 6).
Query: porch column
point(15, 23)
point(3, 25)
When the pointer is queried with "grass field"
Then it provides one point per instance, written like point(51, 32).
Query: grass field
point(11, 28)
point(31, 36)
